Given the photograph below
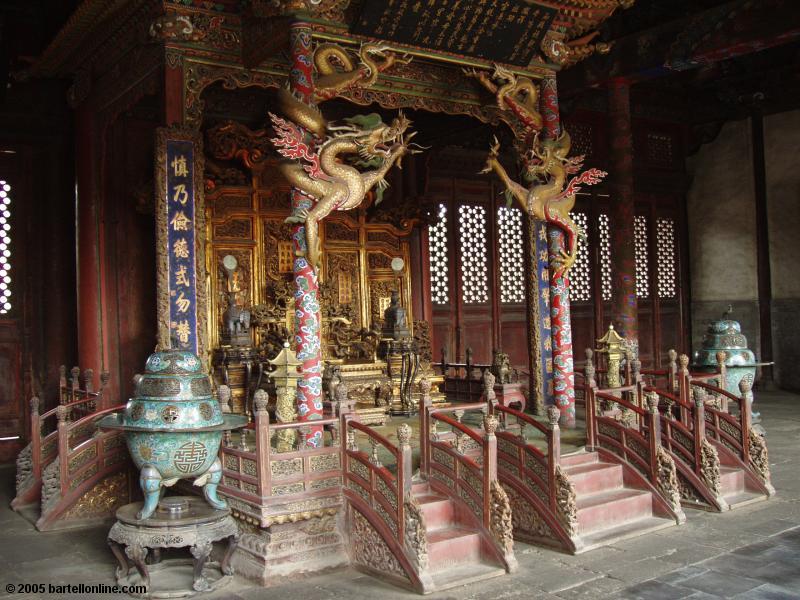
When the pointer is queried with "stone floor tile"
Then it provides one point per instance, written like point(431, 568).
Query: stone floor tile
point(721, 584)
point(770, 592)
point(654, 590)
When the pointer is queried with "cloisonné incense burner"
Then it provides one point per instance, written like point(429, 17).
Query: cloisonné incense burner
point(173, 427)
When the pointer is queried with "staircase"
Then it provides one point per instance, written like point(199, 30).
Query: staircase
point(455, 553)
point(608, 510)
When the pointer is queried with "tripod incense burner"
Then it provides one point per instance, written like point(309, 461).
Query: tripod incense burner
point(173, 428)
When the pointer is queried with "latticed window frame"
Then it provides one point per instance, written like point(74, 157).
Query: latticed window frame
point(475, 286)
point(439, 256)
point(511, 254)
point(6, 203)
point(642, 256)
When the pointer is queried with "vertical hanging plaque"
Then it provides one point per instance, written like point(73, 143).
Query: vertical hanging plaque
point(180, 229)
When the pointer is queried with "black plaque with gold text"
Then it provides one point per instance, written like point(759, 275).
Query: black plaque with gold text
point(508, 32)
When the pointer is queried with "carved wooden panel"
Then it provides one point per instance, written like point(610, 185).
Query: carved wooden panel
point(234, 228)
point(342, 274)
point(380, 295)
point(277, 248)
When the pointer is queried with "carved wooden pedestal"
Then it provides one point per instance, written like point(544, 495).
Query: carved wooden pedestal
point(510, 395)
point(270, 555)
point(179, 522)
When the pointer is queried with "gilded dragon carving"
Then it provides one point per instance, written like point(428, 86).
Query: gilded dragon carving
point(550, 197)
point(332, 174)
point(330, 58)
point(517, 94)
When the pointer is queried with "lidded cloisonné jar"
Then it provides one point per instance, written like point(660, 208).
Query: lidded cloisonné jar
point(725, 335)
point(173, 427)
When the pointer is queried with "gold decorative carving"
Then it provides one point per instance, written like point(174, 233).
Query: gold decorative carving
point(566, 503)
point(759, 457)
point(324, 462)
point(102, 499)
point(369, 549)
point(501, 523)
point(289, 488)
point(709, 466)
point(416, 540)
point(325, 484)
point(249, 467)
point(281, 469)
point(83, 457)
point(234, 229)
point(524, 516)
point(668, 479)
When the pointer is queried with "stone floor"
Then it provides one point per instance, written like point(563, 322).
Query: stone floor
point(748, 554)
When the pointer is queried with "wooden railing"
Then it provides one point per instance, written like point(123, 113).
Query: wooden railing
point(84, 456)
point(265, 482)
point(632, 435)
point(43, 446)
point(464, 467)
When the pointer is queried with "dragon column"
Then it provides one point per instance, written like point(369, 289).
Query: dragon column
point(563, 375)
point(307, 316)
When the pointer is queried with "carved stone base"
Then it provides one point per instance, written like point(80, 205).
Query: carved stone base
point(290, 550)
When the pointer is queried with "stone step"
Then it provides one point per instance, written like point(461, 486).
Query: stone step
point(731, 480)
point(439, 511)
point(743, 498)
point(578, 458)
point(591, 478)
point(624, 531)
point(452, 546)
point(420, 487)
point(613, 508)
point(460, 575)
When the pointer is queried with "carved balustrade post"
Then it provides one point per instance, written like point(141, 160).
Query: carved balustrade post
point(745, 418)
point(672, 372)
point(699, 428)
point(36, 439)
point(404, 474)
point(74, 384)
point(553, 452)
point(589, 400)
point(224, 395)
point(721, 357)
point(425, 404)
point(263, 443)
point(62, 384)
point(62, 414)
point(489, 465)
point(684, 388)
point(654, 434)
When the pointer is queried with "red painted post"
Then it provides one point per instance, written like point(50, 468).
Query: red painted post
point(308, 318)
point(589, 400)
point(263, 448)
point(425, 404)
point(62, 413)
point(699, 431)
point(654, 437)
point(490, 423)
point(36, 439)
point(684, 388)
point(745, 418)
point(553, 454)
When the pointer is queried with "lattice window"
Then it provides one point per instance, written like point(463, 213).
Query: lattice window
point(512, 267)
point(666, 258)
point(580, 275)
point(581, 136)
point(604, 227)
point(474, 262)
point(285, 257)
point(641, 255)
point(659, 149)
point(5, 247)
point(437, 248)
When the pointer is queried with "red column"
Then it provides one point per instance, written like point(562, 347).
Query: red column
point(90, 290)
point(307, 323)
point(623, 245)
point(563, 375)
